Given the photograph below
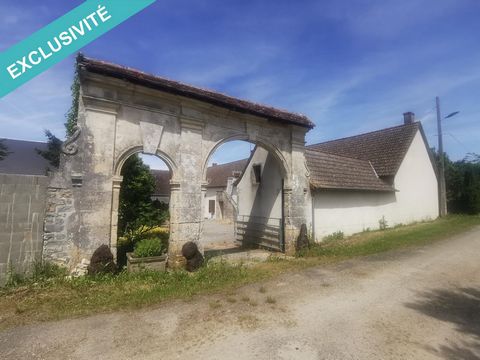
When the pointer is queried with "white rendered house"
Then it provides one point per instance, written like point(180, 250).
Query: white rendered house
point(356, 183)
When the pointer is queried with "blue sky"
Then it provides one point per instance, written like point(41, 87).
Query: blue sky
point(352, 66)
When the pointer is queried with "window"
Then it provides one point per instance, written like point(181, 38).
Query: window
point(257, 173)
point(211, 206)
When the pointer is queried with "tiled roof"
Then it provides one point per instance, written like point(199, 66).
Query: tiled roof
point(385, 149)
point(23, 158)
point(329, 171)
point(178, 88)
point(162, 182)
point(217, 175)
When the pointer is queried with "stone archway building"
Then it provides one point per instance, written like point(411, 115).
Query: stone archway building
point(122, 112)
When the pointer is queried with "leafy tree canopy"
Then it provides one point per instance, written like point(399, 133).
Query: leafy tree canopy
point(136, 207)
point(463, 184)
point(54, 146)
point(3, 150)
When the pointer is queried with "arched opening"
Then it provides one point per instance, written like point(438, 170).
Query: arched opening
point(243, 197)
point(143, 206)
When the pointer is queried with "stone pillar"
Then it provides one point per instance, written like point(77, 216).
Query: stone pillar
point(117, 183)
point(186, 196)
point(289, 231)
point(295, 192)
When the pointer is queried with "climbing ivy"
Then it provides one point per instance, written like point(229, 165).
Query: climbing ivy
point(54, 144)
point(72, 114)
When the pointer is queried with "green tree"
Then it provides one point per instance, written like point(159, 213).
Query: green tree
point(54, 146)
point(3, 150)
point(136, 207)
point(462, 179)
point(466, 185)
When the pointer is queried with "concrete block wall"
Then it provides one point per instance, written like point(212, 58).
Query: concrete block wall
point(22, 212)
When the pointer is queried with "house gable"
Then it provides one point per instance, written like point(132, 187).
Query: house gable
point(416, 181)
point(385, 148)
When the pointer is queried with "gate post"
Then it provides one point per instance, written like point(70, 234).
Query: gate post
point(186, 194)
point(117, 182)
point(296, 192)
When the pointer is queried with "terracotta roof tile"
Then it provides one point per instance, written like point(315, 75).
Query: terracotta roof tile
point(178, 88)
point(217, 175)
point(329, 171)
point(385, 149)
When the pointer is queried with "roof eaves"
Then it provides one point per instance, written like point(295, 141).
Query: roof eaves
point(181, 89)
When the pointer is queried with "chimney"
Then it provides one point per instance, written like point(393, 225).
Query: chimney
point(409, 118)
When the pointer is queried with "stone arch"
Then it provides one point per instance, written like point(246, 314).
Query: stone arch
point(123, 111)
point(274, 150)
point(272, 208)
point(120, 161)
point(117, 181)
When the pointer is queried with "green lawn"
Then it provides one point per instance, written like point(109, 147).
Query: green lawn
point(50, 295)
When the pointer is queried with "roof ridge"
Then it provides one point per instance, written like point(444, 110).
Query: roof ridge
point(416, 124)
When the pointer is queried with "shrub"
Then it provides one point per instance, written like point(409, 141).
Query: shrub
point(127, 243)
point(382, 223)
point(149, 247)
point(37, 272)
point(337, 235)
point(45, 270)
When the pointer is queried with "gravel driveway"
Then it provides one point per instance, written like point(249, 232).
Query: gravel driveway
point(414, 304)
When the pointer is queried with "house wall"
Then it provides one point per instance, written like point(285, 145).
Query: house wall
point(416, 178)
point(22, 212)
point(211, 194)
point(262, 200)
point(350, 211)
point(353, 211)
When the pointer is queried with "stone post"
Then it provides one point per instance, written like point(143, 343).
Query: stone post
point(186, 196)
point(117, 183)
point(295, 192)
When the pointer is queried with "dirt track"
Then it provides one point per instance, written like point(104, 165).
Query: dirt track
point(415, 304)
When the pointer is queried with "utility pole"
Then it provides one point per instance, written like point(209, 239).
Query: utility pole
point(442, 191)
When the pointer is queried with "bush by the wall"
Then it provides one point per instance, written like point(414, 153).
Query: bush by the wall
point(337, 235)
point(149, 247)
point(126, 244)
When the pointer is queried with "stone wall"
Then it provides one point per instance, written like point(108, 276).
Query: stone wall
point(58, 242)
point(22, 211)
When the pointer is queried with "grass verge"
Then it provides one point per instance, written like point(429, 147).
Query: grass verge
point(52, 296)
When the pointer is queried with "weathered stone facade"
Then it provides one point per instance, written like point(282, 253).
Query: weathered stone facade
point(58, 242)
point(117, 119)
